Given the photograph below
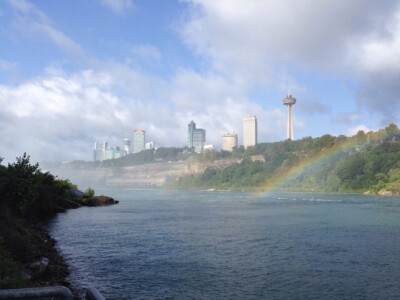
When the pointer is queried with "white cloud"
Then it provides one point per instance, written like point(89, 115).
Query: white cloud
point(354, 130)
point(379, 51)
point(59, 117)
point(56, 112)
point(258, 41)
point(118, 6)
point(253, 36)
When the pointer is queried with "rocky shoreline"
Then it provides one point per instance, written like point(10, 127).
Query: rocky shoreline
point(42, 264)
point(382, 193)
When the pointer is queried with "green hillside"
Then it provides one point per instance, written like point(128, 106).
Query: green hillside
point(364, 162)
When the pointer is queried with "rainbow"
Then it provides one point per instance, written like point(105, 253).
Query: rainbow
point(285, 175)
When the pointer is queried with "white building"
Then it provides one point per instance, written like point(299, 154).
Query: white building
point(249, 130)
point(127, 146)
point(149, 145)
point(229, 141)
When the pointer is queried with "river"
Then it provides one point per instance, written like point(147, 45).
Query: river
point(158, 244)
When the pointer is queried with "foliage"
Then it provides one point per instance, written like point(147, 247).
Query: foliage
point(366, 161)
point(26, 191)
point(27, 195)
point(19, 184)
point(89, 192)
point(10, 270)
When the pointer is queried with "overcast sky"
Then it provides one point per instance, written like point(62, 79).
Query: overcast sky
point(79, 71)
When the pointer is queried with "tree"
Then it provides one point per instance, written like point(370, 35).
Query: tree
point(89, 192)
point(19, 184)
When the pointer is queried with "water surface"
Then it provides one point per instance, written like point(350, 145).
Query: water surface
point(234, 245)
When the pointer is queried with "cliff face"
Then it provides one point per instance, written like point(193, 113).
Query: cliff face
point(145, 175)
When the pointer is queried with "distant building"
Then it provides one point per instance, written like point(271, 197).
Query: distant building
point(99, 151)
point(229, 141)
point(139, 140)
point(149, 145)
point(191, 128)
point(196, 137)
point(289, 101)
point(103, 152)
point(127, 146)
point(199, 138)
point(249, 130)
point(113, 152)
point(208, 147)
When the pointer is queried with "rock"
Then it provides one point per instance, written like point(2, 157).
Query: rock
point(76, 192)
point(65, 203)
point(101, 200)
point(367, 193)
point(385, 193)
point(39, 266)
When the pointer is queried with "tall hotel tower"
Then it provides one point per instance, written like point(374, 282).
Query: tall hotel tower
point(249, 130)
point(196, 137)
point(289, 101)
point(139, 140)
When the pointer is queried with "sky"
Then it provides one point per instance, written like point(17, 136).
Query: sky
point(79, 71)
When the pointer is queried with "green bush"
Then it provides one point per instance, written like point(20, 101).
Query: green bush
point(89, 192)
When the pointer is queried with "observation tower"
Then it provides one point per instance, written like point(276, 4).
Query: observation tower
point(289, 101)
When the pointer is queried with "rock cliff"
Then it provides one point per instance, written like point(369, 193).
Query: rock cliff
point(145, 175)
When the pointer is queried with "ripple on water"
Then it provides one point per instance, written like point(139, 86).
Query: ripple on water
point(229, 245)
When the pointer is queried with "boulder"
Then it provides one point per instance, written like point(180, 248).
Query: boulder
point(67, 204)
point(100, 201)
point(385, 193)
point(39, 266)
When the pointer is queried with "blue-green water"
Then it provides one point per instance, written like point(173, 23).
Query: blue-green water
point(232, 245)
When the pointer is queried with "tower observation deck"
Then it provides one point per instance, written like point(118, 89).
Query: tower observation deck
point(289, 101)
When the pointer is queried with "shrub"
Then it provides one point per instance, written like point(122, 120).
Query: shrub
point(89, 192)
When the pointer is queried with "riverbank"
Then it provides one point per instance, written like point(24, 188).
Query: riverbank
point(29, 257)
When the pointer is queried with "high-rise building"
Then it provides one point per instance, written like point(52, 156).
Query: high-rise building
point(102, 151)
point(199, 138)
point(289, 101)
point(127, 146)
point(229, 140)
point(99, 152)
point(249, 130)
point(113, 152)
point(191, 128)
point(139, 140)
point(196, 137)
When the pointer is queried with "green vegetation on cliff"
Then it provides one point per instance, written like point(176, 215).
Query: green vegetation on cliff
point(366, 161)
point(27, 196)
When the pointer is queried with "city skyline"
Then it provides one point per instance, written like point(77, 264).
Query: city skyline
point(72, 72)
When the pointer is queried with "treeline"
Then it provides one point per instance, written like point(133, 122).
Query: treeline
point(365, 161)
point(27, 195)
